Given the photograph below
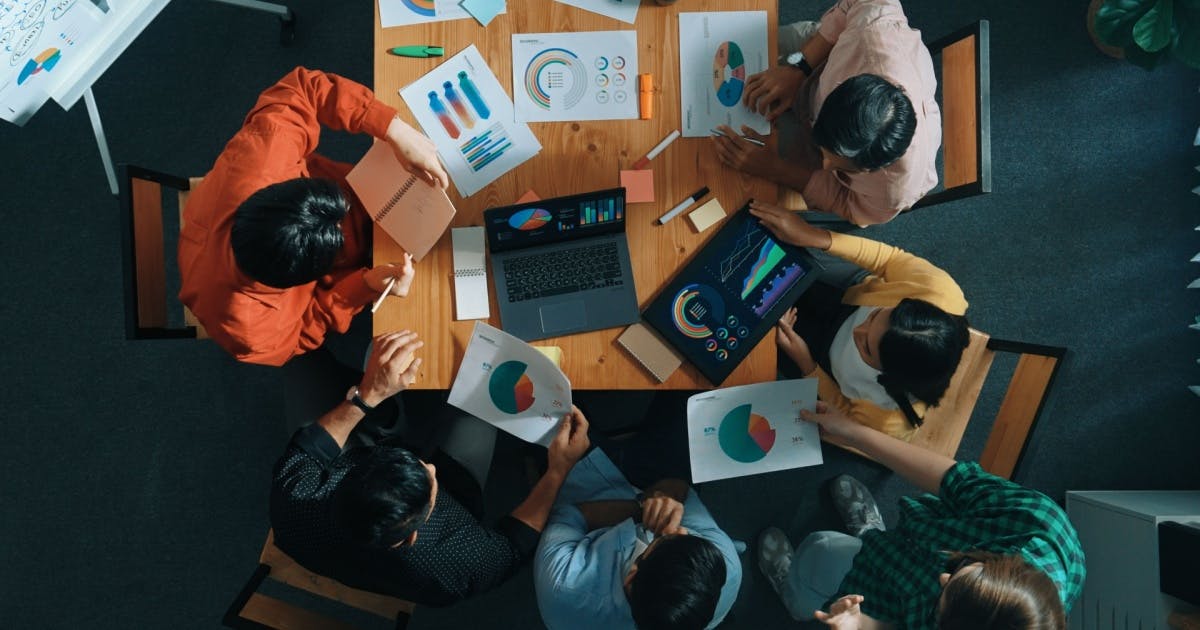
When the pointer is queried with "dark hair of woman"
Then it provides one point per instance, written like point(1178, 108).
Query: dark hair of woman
point(288, 234)
point(919, 353)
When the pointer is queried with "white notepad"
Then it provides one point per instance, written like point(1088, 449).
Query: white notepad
point(470, 274)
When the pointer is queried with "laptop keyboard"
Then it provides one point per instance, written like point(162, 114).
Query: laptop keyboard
point(565, 271)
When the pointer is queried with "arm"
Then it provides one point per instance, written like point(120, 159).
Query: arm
point(569, 444)
point(390, 370)
point(924, 469)
point(661, 511)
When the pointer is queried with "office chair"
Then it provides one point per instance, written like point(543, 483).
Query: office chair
point(143, 247)
point(253, 610)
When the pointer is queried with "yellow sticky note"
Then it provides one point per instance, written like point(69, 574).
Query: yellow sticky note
point(706, 215)
point(554, 353)
point(639, 186)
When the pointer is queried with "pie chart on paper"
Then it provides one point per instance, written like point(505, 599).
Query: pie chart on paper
point(510, 388)
point(744, 435)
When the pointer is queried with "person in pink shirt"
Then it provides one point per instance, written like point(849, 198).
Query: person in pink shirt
point(861, 84)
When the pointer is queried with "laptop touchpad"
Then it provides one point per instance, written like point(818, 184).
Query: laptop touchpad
point(563, 316)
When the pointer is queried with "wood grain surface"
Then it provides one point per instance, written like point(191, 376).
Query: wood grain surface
point(576, 157)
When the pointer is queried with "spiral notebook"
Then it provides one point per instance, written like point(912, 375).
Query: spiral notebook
point(470, 274)
point(414, 213)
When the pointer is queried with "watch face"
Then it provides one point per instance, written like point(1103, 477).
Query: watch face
point(795, 58)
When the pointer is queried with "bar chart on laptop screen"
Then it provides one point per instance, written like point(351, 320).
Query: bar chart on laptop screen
point(599, 211)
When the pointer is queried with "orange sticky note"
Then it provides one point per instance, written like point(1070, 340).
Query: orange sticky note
point(528, 196)
point(639, 186)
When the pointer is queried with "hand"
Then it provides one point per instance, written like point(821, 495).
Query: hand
point(792, 343)
point(737, 152)
point(833, 423)
point(844, 614)
point(391, 368)
point(570, 443)
point(789, 227)
point(661, 514)
point(772, 91)
point(416, 153)
point(377, 277)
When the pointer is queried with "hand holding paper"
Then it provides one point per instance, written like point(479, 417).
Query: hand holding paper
point(416, 153)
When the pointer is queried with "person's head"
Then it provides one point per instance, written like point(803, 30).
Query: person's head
point(676, 583)
point(987, 590)
point(384, 497)
point(864, 124)
point(917, 347)
point(289, 233)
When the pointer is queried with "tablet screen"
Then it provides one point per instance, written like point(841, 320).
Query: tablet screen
point(720, 304)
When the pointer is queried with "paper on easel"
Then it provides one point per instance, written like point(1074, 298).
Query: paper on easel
point(752, 429)
point(509, 384)
point(470, 274)
point(413, 212)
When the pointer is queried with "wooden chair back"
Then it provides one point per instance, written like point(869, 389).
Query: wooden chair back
point(252, 609)
point(965, 82)
point(1023, 400)
point(144, 255)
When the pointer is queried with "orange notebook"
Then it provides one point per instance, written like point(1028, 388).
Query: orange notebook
point(414, 213)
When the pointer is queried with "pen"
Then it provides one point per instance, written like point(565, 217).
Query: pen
point(754, 141)
point(658, 148)
point(683, 205)
point(386, 290)
point(417, 51)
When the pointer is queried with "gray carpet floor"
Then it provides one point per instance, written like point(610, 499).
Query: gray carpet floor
point(135, 474)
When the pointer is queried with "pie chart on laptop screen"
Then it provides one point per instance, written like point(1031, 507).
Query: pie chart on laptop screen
point(530, 219)
point(744, 435)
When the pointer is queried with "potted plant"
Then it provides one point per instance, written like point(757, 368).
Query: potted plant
point(1147, 32)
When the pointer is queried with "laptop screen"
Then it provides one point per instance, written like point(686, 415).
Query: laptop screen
point(555, 220)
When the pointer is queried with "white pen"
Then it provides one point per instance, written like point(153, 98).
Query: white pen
point(658, 148)
point(754, 141)
point(386, 290)
point(683, 205)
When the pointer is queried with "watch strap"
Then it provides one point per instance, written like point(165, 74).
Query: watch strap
point(356, 400)
point(804, 67)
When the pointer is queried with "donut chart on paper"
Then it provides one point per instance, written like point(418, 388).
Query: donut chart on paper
point(510, 388)
point(693, 307)
point(530, 219)
point(556, 75)
point(745, 436)
point(729, 73)
point(424, 8)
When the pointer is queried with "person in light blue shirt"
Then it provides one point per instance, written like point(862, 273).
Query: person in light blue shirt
point(612, 557)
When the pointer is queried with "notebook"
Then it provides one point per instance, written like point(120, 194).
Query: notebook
point(652, 352)
point(470, 274)
point(413, 212)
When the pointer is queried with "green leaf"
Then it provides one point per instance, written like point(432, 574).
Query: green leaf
point(1152, 32)
point(1115, 20)
point(1187, 36)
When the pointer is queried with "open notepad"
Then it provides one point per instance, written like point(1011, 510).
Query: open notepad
point(470, 274)
point(414, 213)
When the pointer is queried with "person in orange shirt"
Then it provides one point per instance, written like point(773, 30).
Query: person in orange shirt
point(274, 250)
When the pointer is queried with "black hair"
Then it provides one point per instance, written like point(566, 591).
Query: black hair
point(867, 120)
point(383, 498)
point(287, 234)
point(919, 353)
point(677, 584)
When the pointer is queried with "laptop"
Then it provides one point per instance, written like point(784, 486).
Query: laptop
point(561, 265)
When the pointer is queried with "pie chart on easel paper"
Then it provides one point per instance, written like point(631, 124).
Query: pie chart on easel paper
point(745, 436)
point(510, 388)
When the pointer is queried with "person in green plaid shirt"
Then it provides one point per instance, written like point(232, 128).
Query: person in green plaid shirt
point(983, 553)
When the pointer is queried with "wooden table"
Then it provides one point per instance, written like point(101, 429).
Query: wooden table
point(576, 157)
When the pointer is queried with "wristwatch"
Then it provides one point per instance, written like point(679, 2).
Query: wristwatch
point(797, 60)
point(355, 399)
point(640, 499)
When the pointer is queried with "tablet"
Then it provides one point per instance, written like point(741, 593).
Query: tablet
point(718, 307)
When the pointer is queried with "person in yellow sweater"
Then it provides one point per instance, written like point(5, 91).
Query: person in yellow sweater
point(883, 334)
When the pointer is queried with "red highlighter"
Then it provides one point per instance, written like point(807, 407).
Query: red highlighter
point(645, 96)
